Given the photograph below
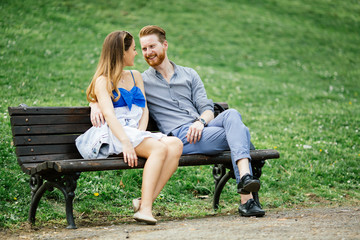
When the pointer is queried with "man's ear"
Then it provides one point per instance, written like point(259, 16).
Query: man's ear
point(165, 44)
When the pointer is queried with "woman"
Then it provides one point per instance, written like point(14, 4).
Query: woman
point(121, 98)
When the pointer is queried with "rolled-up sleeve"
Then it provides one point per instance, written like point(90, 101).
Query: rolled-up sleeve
point(201, 102)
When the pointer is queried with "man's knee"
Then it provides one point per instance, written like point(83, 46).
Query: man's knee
point(232, 113)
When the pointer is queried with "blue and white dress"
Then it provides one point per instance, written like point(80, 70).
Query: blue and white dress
point(101, 142)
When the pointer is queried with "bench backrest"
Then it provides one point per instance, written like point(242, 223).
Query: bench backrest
point(48, 133)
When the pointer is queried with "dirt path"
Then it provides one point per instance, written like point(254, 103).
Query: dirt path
point(314, 223)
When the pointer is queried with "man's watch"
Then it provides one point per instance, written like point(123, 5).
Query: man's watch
point(202, 121)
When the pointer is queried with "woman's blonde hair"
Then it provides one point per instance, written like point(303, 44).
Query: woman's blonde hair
point(111, 62)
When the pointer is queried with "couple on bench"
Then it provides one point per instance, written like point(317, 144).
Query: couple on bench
point(175, 96)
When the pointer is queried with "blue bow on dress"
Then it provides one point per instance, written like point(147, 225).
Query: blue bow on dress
point(128, 98)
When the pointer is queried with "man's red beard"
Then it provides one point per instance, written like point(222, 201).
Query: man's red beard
point(159, 58)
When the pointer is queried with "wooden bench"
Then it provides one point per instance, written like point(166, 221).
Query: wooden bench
point(44, 143)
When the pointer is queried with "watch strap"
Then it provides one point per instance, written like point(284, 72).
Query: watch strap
point(202, 121)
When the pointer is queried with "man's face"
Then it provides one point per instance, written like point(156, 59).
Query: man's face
point(153, 50)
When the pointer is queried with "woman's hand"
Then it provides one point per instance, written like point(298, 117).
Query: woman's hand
point(129, 153)
point(96, 116)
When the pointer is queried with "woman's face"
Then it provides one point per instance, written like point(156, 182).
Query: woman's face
point(130, 54)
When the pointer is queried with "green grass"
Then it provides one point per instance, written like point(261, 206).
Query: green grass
point(290, 67)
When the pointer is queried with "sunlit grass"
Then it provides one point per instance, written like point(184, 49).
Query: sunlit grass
point(290, 68)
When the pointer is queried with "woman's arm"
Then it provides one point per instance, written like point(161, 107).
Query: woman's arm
point(145, 116)
point(107, 109)
point(96, 116)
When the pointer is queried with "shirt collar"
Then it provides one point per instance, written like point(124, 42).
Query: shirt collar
point(158, 74)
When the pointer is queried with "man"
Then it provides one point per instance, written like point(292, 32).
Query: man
point(177, 101)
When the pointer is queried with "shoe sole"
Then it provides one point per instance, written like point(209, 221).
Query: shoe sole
point(145, 221)
point(252, 214)
point(242, 191)
point(251, 187)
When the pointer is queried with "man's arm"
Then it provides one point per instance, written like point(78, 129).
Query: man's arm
point(195, 130)
point(203, 105)
point(208, 115)
point(199, 96)
point(96, 116)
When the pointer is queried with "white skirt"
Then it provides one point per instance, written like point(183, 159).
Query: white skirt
point(101, 142)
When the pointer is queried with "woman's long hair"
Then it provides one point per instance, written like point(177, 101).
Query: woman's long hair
point(111, 62)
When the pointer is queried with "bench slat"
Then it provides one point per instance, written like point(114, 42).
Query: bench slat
point(49, 119)
point(50, 129)
point(45, 149)
point(27, 168)
point(48, 110)
point(61, 110)
point(116, 163)
point(44, 139)
point(50, 157)
point(263, 154)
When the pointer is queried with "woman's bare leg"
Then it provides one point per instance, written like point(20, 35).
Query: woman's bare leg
point(155, 152)
point(174, 151)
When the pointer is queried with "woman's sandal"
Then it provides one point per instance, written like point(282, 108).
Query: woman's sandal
point(136, 204)
point(143, 218)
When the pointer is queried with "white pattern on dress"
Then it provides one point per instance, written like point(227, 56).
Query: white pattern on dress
point(101, 142)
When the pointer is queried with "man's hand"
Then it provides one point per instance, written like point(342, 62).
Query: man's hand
point(195, 131)
point(96, 116)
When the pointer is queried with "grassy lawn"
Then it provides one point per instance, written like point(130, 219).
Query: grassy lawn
point(290, 67)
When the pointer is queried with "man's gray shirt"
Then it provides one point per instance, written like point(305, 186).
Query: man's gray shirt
point(176, 103)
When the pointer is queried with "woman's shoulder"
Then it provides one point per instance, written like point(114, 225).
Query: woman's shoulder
point(136, 74)
point(133, 71)
point(101, 80)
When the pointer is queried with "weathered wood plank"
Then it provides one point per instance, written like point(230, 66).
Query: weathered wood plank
point(50, 129)
point(27, 168)
point(48, 110)
point(45, 149)
point(49, 119)
point(263, 154)
point(116, 163)
point(44, 139)
point(47, 158)
point(62, 110)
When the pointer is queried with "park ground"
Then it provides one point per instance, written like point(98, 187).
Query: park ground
point(297, 223)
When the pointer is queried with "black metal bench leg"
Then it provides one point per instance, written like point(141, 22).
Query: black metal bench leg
point(37, 191)
point(67, 185)
point(221, 178)
point(71, 182)
point(218, 189)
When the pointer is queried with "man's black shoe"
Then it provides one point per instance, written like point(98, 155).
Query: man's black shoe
point(248, 184)
point(251, 209)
